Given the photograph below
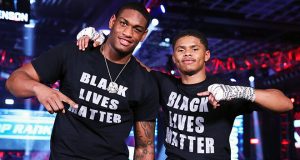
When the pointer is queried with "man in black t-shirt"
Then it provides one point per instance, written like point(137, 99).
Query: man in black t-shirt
point(107, 91)
point(198, 125)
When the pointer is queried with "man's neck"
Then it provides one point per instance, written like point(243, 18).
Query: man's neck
point(112, 55)
point(193, 79)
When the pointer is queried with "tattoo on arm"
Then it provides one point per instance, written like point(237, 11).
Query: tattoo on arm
point(144, 140)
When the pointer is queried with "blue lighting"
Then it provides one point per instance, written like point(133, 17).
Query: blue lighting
point(236, 138)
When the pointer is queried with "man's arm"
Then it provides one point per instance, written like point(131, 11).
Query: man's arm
point(25, 82)
point(273, 99)
point(144, 140)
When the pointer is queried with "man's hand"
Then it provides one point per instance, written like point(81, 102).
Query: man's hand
point(211, 98)
point(52, 99)
point(87, 34)
point(219, 92)
point(227, 92)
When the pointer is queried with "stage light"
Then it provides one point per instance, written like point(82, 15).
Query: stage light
point(164, 44)
point(31, 24)
point(232, 80)
point(285, 142)
point(149, 10)
point(154, 22)
point(167, 40)
point(236, 143)
point(162, 8)
point(4, 75)
point(293, 100)
point(254, 141)
point(172, 72)
point(9, 101)
point(251, 78)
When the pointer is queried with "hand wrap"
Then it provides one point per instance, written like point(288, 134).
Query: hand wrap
point(226, 92)
point(92, 34)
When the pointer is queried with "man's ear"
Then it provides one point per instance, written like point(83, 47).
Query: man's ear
point(112, 21)
point(207, 55)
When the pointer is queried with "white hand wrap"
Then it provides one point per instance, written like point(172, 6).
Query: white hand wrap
point(226, 92)
point(92, 34)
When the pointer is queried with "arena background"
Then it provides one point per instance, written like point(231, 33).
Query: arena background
point(251, 41)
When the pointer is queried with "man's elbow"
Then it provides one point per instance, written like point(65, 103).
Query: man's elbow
point(10, 85)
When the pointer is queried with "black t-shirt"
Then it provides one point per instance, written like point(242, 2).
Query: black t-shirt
point(99, 127)
point(194, 130)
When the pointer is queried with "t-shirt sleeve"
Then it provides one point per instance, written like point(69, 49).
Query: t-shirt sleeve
point(50, 65)
point(148, 107)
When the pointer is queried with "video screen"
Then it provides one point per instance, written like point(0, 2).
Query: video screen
point(24, 131)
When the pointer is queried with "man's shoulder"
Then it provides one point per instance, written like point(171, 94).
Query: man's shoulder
point(139, 68)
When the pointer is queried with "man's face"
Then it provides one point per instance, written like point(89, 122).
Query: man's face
point(127, 30)
point(190, 55)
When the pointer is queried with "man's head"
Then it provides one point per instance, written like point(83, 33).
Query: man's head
point(190, 52)
point(128, 27)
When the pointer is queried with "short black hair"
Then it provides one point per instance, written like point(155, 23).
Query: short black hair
point(140, 7)
point(191, 32)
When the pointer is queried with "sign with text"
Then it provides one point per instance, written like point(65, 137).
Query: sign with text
point(25, 124)
point(15, 10)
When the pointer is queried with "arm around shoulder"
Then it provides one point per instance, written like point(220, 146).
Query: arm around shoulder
point(273, 100)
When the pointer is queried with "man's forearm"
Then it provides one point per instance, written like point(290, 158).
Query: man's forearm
point(144, 141)
point(23, 81)
point(20, 85)
point(273, 100)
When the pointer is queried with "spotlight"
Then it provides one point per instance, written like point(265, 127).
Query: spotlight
point(254, 141)
point(162, 8)
point(4, 75)
point(232, 80)
point(31, 24)
point(167, 40)
point(293, 100)
point(154, 22)
point(9, 101)
point(251, 78)
point(172, 72)
point(149, 10)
